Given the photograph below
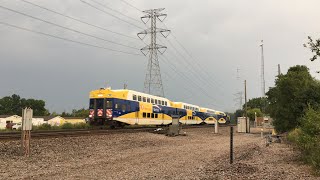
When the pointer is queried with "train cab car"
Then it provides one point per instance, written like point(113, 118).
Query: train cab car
point(121, 107)
point(127, 107)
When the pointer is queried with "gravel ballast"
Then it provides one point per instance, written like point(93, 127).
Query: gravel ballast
point(199, 155)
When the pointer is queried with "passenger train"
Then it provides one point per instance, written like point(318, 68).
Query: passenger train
point(121, 107)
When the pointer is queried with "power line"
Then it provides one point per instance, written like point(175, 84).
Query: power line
point(66, 39)
point(175, 69)
point(192, 70)
point(111, 9)
point(70, 29)
point(201, 69)
point(75, 19)
point(131, 5)
point(110, 14)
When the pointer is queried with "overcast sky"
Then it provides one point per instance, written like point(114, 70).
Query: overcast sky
point(221, 36)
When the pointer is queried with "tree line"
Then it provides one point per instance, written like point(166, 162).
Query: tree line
point(13, 105)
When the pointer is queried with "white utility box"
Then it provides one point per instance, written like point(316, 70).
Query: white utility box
point(241, 123)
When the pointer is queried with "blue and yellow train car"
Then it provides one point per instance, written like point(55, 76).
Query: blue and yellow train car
point(127, 107)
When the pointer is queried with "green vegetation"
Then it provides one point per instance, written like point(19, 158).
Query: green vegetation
point(314, 46)
point(290, 97)
point(12, 105)
point(257, 103)
point(294, 103)
point(76, 113)
point(63, 126)
point(307, 137)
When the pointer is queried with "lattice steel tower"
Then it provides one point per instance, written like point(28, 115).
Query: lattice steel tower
point(153, 81)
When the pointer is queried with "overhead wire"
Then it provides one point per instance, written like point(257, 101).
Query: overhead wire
point(131, 5)
point(79, 20)
point(66, 39)
point(196, 74)
point(111, 9)
point(110, 14)
point(175, 69)
point(189, 54)
point(70, 29)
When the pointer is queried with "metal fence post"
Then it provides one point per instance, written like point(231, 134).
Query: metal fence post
point(231, 144)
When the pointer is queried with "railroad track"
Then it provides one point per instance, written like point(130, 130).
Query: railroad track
point(83, 132)
point(68, 133)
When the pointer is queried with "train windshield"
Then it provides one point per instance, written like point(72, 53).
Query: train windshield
point(99, 103)
point(108, 104)
point(91, 104)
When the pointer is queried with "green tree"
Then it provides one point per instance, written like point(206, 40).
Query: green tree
point(238, 113)
point(260, 103)
point(80, 113)
point(251, 113)
point(13, 105)
point(314, 46)
point(290, 97)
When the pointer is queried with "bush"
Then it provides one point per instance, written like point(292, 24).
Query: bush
point(67, 126)
point(42, 127)
point(307, 137)
point(294, 135)
point(81, 126)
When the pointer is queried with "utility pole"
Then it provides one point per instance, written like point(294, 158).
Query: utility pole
point(263, 83)
point(245, 97)
point(279, 71)
point(153, 82)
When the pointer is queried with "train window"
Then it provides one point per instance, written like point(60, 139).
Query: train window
point(144, 99)
point(152, 100)
point(148, 115)
point(128, 107)
point(192, 117)
point(144, 115)
point(156, 116)
point(155, 101)
point(123, 107)
point(91, 104)
point(100, 103)
point(166, 103)
point(134, 97)
point(109, 104)
point(152, 115)
point(148, 100)
point(117, 106)
point(162, 103)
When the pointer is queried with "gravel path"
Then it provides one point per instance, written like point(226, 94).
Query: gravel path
point(199, 155)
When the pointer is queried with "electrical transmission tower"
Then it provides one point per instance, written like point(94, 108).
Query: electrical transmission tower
point(153, 81)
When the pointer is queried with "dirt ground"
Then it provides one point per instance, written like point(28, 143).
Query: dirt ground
point(199, 155)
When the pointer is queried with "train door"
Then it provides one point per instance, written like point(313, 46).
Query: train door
point(137, 113)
